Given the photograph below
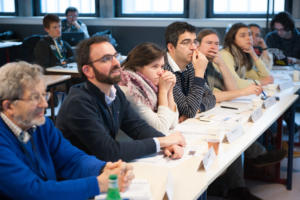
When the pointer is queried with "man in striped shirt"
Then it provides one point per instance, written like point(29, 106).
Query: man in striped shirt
point(191, 92)
point(192, 95)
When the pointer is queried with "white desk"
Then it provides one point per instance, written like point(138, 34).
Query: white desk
point(69, 69)
point(187, 181)
point(9, 44)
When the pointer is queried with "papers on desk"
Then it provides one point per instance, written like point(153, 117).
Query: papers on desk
point(139, 189)
point(161, 160)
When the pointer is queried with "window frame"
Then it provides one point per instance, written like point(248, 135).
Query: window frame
point(37, 10)
point(211, 14)
point(118, 12)
point(16, 13)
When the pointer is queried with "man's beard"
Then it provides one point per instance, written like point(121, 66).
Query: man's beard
point(29, 121)
point(108, 79)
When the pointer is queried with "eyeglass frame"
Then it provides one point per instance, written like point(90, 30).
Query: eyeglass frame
point(36, 97)
point(105, 58)
point(72, 16)
point(188, 42)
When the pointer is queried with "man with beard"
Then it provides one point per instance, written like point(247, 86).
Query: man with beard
point(93, 112)
point(34, 154)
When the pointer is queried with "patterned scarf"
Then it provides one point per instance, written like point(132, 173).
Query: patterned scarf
point(140, 88)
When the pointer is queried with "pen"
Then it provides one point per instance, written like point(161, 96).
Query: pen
point(265, 96)
point(228, 107)
point(203, 120)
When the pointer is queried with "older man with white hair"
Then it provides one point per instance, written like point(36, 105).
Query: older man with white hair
point(34, 154)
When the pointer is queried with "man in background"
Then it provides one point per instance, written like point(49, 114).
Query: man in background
point(72, 24)
point(52, 50)
point(285, 37)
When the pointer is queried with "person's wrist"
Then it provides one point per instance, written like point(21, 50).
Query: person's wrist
point(199, 73)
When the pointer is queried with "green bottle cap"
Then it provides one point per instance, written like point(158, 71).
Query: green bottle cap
point(113, 177)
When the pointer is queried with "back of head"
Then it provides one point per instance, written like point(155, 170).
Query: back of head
point(83, 51)
point(70, 9)
point(205, 32)
point(141, 55)
point(175, 29)
point(285, 19)
point(15, 77)
point(50, 18)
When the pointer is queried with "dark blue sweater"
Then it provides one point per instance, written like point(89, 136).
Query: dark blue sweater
point(92, 125)
point(57, 158)
point(290, 47)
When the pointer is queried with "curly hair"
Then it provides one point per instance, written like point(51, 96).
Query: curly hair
point(15, 77)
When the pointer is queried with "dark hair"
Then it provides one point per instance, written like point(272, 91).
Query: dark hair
point(257, 26)
point(285, 19)
point(83, 51)
point(50, 18)
point(205, 32)
point(71, 9)
point(175, 29)
point(229, 43)
point(254, 25)
point(141, 55)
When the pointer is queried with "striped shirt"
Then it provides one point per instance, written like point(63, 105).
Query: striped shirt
point(191, 93)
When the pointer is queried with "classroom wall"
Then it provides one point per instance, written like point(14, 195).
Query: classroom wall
point(126, 36)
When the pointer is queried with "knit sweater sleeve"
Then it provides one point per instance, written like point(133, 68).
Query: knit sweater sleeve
point(260, 72)
point(229, 61)
point(162, 120)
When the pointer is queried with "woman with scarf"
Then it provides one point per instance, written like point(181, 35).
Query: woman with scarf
point(149, 88)
point(241, 59)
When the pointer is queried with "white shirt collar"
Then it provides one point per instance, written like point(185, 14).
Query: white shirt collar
point(112, 95)
point(173, 64)
point(23, 136)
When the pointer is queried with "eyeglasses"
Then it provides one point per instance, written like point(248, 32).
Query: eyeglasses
point(106, 58)
point(189, 42)
point(72, 16)
point(36, 98)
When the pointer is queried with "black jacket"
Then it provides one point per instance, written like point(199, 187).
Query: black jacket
point(90, 124)
point(45, 56)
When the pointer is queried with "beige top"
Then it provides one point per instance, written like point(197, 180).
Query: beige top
point(258, 71)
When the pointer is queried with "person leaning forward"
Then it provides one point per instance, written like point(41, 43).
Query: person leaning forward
point(34, 154)
point(92, 114)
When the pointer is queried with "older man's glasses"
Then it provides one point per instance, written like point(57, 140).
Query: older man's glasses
point(106, 58)
point(36, 98)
